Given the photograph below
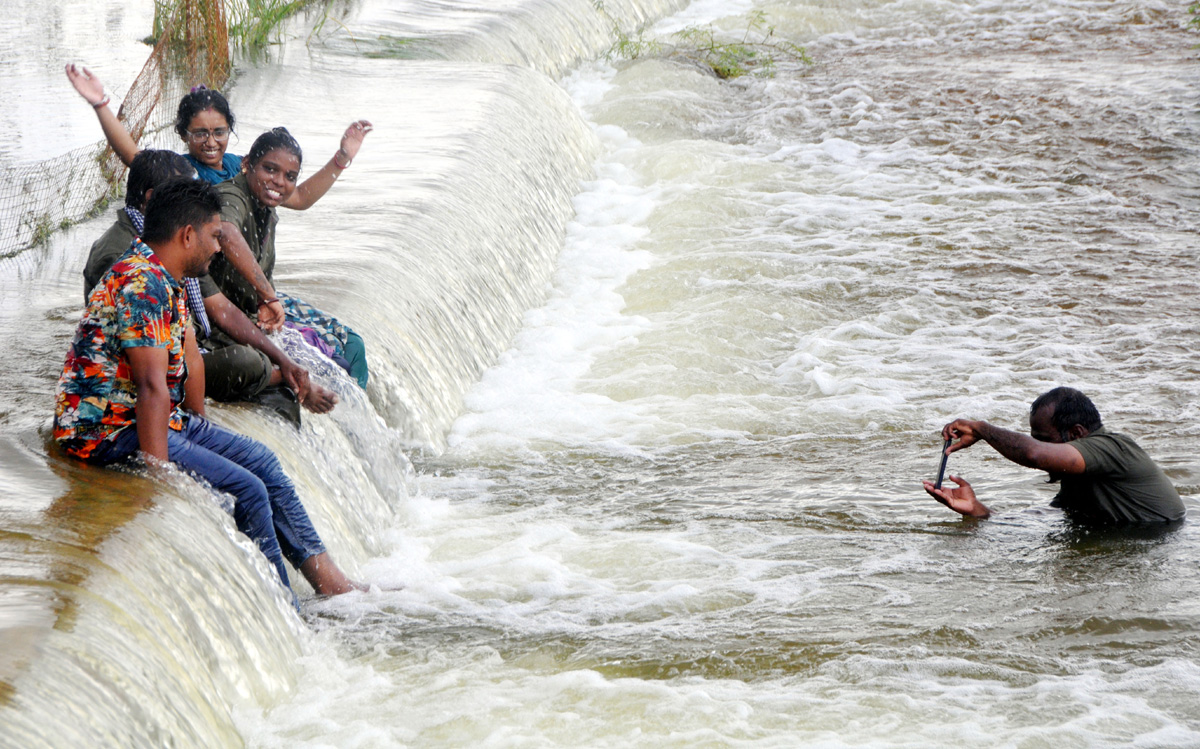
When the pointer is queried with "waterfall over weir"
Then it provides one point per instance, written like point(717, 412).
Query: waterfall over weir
point(669, 356)
point(132, 613)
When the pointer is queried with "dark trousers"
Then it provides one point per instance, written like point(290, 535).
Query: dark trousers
point(235, 372)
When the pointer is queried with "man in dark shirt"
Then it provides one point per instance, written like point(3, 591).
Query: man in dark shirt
point(1106, 478)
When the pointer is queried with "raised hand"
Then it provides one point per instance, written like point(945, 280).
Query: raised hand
point(352, 139)
point(86, 83)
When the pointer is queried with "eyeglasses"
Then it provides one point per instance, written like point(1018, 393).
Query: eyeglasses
point(199, 136)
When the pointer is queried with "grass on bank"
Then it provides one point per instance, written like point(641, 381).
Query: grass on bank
point(757, 52)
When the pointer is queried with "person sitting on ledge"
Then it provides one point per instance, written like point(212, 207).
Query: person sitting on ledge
point(133, 384)
point(243, 271)
point(240, 363)
point(204, 121)
point(1106, 479)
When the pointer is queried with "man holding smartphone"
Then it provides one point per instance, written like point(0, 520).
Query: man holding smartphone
point(1106, 479)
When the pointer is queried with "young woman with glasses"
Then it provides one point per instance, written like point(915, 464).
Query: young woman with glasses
point(204, 121)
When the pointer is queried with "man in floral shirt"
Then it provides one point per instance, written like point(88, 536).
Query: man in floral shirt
point(133, 382)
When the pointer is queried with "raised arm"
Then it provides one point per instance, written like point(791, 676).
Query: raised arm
point(237, 252)
point(1053, 457)
point(92, 90)
point(310, 190)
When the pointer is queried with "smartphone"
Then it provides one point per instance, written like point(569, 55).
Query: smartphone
point(942, 466)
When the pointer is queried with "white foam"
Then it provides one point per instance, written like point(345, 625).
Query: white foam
point(702, 13)
point(679, 511)
point(531, 393)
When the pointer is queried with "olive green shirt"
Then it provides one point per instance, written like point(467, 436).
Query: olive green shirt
point(239, 207)
point(1120, 484)
point(105, 251)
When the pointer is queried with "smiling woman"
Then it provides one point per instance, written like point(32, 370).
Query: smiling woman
point(244, 271)
point(205, 121)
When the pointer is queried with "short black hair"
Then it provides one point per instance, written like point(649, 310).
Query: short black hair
point(1071, 407)
point(149, 169)
point(178, 203)
point(197, 101)
point(278, 137)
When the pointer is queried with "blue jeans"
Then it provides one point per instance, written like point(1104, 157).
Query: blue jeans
point(265, 505)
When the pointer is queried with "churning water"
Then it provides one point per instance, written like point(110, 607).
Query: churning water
point(660, 361)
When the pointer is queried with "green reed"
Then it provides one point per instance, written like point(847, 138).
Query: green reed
point(758, 51)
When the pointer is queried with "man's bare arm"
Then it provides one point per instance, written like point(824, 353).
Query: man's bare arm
point(228, 317)
point(193, 388)
point(152, 411)
point(1052, 457)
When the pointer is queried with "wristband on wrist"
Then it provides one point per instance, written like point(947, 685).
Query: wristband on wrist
point(103, 102)
point(339, 164)
point(265, 302)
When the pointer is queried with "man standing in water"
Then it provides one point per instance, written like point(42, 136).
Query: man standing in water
point(1106, 478)
point(134, 381)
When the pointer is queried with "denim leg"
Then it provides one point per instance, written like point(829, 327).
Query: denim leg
point(118, 448)
point(266, 507)
point(252, 504)
point(294, 532)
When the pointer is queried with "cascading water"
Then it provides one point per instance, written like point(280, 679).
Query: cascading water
point(668, 355)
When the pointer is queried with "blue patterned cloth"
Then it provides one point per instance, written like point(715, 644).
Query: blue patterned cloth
point(300, 314)
point(231, 166)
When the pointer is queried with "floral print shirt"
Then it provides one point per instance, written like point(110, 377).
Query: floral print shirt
point(137, 303)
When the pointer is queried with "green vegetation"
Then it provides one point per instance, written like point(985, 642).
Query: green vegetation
point(251, 25)
point(254, 24)
point(43, 229)
point(757, 52)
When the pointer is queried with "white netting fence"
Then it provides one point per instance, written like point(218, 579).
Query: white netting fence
point(38, 198)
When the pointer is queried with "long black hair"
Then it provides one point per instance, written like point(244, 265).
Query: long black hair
point(277, 137)
point(197, 101)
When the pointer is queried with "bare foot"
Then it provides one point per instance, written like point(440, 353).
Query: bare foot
point(319, 400)
point(326, 578)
